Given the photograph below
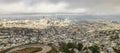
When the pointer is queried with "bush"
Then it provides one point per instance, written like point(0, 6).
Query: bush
point(94, 49)
point(71, 45)
point(116, 50)
point(67, 48)
point(63, 47)
point(79, 46)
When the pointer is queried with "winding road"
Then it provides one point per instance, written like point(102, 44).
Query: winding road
point(45, 48)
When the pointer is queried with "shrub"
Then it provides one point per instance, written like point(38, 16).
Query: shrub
point(79, 46)
point(94, 49)
point(116, 50)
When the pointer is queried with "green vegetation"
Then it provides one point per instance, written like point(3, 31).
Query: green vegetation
point(94, 49)
point(1, 25)
point(71, 45)
point(79, 46)
point(63, 47)
point(69, 48)
point(116, 50)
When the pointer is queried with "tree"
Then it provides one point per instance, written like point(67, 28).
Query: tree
point(63, 47)
point(67, 48)
point(79, 46)
point(94, 49)
point(116, 50)
point(71, 45)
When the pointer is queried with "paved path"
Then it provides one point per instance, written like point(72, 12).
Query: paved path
point(45, 48)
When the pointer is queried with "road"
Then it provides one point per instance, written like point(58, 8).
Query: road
point(45, 48)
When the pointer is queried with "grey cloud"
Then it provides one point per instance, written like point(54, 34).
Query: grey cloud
point(8, 1)
point(72, 3)
point(94, 6)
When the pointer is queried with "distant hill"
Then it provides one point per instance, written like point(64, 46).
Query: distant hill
point(72, 16)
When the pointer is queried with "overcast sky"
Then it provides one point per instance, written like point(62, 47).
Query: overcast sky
point(54, 6)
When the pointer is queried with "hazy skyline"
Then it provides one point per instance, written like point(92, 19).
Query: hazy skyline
point(61, 6)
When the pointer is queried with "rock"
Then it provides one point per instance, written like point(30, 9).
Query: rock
point(110, 50)
point(97, 42)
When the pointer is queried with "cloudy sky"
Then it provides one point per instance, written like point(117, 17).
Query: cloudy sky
point(60, 6)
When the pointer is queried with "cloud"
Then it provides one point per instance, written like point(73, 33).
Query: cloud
point(44, 7)
point(71, 6)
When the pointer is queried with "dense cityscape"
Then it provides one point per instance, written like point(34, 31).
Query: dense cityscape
point(53, 32)
point(59, 26)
